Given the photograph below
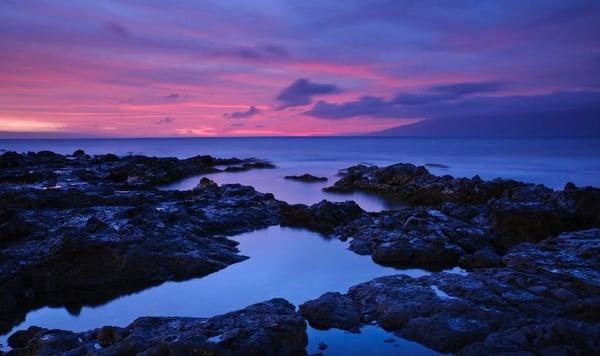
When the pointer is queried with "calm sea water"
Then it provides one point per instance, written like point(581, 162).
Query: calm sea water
point(294, 263)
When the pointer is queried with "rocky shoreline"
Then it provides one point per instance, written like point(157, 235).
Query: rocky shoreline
point(268, 328)
point(72, 238)
point(80, 230)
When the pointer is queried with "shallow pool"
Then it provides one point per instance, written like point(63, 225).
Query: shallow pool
point(291, 263)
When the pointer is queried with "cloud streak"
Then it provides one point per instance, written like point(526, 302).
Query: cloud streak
point(165, 120)
point(301, 92)
point(243, 114)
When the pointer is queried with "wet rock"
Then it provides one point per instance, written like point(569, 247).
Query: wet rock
point(322, 346)
point(110, 335)
point(306, 178)
point(417, 186)
point(43, 157)
point(413, 237)
point(250, 165)
point(562, 337)
point(95, 225)
point(12, 225)
point(21, 338)
point(10, 159)
point(80, 154)
point(323, 217)
point(546, 297)
point(515, 222)
point(571, 256)
point(268, 328)
point(481, 259)
point(436, 165)
point(130, 170)
point(206, 183)
point(332, 310)
point(583, 203)
point(142, 170)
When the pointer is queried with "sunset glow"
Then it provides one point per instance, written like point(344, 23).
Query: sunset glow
point(115, 68)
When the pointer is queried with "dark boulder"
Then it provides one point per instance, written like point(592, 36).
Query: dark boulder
point(516, 222)
point(22, 337)
point(323, 217)
point(80, 154)
point(414, 237)
point(12, 225)
point(332, 310)
point(485, 258)
point(306, 178)
point(583, 203)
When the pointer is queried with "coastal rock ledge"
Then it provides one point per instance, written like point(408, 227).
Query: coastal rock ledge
point(544, 299)
point(268, 328)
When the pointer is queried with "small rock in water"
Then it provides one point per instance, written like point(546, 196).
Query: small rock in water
point(322, 346)
point(306, 178)
point(436, 165)
point(79, 153)
point(206, 183)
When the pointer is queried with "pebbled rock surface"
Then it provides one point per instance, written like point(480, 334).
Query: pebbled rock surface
point(83, 242)
point(268, 328)
point(544, 299)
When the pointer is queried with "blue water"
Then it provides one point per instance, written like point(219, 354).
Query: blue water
point(291, 263)
point(297, 264)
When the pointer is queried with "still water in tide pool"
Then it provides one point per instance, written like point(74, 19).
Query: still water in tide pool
point(290, 263)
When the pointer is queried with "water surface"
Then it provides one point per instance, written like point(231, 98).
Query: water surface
point(284, 262)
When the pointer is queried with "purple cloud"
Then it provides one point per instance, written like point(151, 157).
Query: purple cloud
point(403, 105)
point(301, 91)
point(460, 89)
point(165, 120)
point(243, 114)
point(116, 28)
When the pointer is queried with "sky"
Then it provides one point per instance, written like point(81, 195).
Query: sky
point(296, 67)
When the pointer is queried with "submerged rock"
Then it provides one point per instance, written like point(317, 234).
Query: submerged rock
point(268, 328)
point(252, 164)
point(544, 299)
point(323, 217)
point(306, 178)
